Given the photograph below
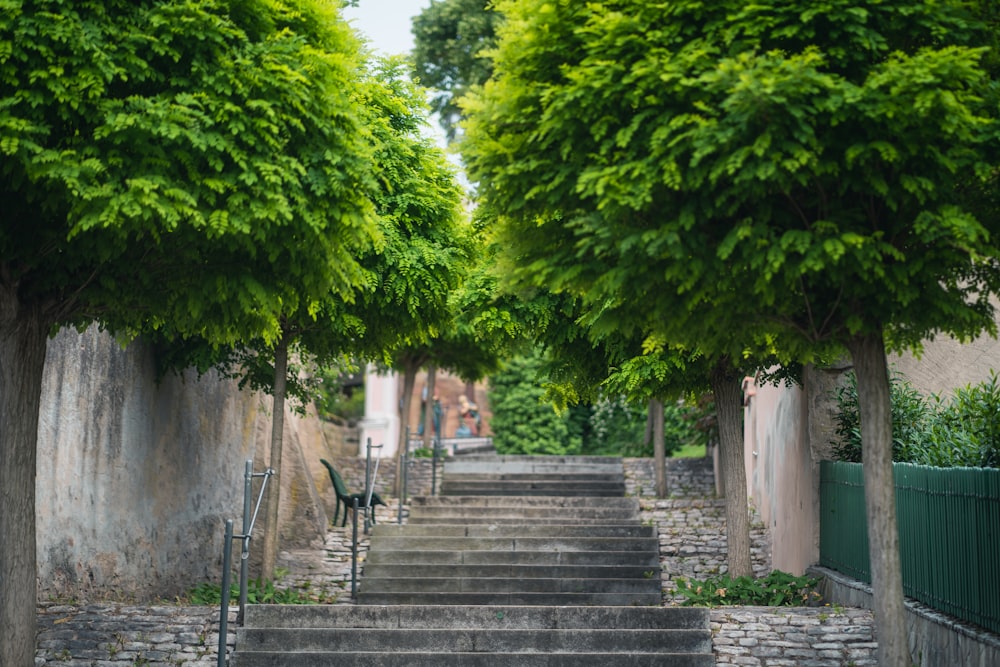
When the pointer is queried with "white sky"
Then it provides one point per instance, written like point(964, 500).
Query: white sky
point(386, 23)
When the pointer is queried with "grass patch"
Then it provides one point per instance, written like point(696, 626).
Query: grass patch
point(689, 452)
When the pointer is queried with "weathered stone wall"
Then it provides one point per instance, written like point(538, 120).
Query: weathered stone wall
point(134, 479)
point(934, 638)
point(793, 637)
point(692, 478)
point(945, 364)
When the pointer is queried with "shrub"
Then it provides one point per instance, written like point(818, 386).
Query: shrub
point(778, 589)
point(210, 593)
point(963, 431)
point(523, 422)
point(910, 414)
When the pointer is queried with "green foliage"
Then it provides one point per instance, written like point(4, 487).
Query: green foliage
point(195, 181)
point(423, 453)
point(523, 423)
point(618, 428)
point(787, 171)
point(335, 403)
point(966, 431)
point(963, 430)
point(778, 589)
point(209, 593)
point(910, 413)
point(450, 39)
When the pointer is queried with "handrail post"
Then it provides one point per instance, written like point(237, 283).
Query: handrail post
point(354, 553)
point(406, 475)
point(368, 480)
point(403, 463)
point(245, 551)
point(227, 558)
point(434, 467)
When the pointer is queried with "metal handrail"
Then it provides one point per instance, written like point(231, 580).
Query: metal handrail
point(370, 481)
point(227, 554)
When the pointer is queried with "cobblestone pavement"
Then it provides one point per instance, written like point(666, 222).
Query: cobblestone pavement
point(692, 544)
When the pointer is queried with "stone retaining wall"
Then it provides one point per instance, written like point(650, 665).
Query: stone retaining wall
point(793, 637)
point(686, 478)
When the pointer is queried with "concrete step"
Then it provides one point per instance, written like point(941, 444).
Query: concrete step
point(459, 487)
point(542, 459)
point(583, 474)
point(511, 502)
point(507, 530)
point(510, 618)
point(581, 598)
point(438, 658)
point(512, 520)
point(534, 476)
point(589, 474)
point(456, 584)
point(535, 491)
point(475, 640)
point(439, 542)
point(516, 571)
point(477, 636)
point(647, 559)
point(526, 513)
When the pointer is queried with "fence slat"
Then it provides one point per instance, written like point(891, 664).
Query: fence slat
point(949, 531)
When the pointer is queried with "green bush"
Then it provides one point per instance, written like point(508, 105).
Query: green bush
point(966, 430)
point(333, 402)
point(778, 589)
point(962, 431)
point(910, 414)
point(523, 422)
point(618, 428)
point(260, 593)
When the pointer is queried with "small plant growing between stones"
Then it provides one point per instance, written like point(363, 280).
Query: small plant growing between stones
point(210, 593)
point(778, 589)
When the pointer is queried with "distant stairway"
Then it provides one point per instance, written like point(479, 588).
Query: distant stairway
point(533, 476)
point(522, 561)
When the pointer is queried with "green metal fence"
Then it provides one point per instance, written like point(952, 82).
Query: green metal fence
point(949, 534)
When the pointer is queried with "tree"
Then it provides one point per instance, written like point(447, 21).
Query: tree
point(450, 40)
point(418, 261)
point(817, 171)
point(192, 167)
point(428, 243)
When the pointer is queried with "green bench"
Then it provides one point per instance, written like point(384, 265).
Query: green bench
point(347, 498)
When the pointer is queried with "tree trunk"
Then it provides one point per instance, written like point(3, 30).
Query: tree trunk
point(410, 369)
point(874, 402)
point(429, 405)
point(659, 446)
point(728, 406)
point(23, 334)
point(270, 555)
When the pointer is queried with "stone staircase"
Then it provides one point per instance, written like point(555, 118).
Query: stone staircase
point(592, 476)
point(516, 564)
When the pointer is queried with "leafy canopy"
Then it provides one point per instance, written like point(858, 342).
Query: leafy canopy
point(823, 169)
point(193, 166)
